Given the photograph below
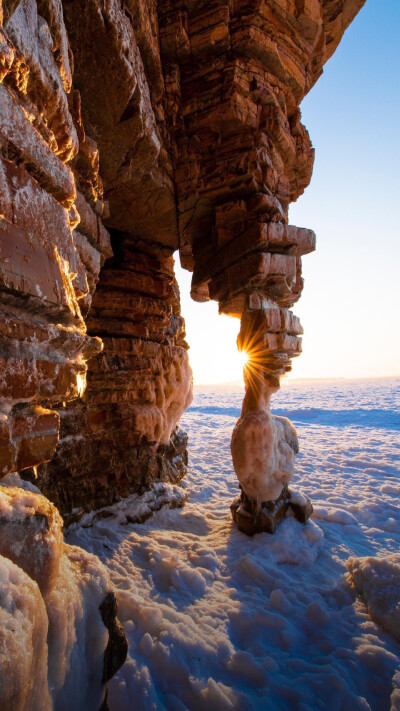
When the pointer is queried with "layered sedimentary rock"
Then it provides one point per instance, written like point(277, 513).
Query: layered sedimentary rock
point(46, 268)
point(122, 435)
point(235, 75)
point(172, 124)
point(79, 128)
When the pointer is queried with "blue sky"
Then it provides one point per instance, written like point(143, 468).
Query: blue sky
point(350, 303)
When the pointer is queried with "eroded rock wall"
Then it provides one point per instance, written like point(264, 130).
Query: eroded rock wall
point(166, 124)
point(122, 434)
point(85, 145)
point(47, 268)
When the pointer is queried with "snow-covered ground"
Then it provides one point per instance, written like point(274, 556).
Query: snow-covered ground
point(218, 621)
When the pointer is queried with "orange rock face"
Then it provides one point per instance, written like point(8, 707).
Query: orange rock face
point(43, 280)
point(123, 434)
point(128, 131)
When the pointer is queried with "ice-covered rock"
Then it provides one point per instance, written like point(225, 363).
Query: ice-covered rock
point(53, 639)
point(263, 452)
point(23, 648)
point(378, 582)
point(31, 535)
point(263, 448)
point(77, 636)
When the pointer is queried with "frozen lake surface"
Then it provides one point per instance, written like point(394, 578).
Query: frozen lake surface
point(218, 621)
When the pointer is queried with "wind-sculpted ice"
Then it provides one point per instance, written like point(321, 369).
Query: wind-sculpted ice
point(378, 582)
point(23, 648)
point(263, 449)
point(31, 535)
point(52, 637)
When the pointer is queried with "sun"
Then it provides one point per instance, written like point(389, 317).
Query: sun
point(243, 358)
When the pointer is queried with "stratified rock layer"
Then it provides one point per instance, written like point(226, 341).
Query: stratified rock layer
point(84, 143)
point(173, 125)
point(47, 269)
point(235, 76)
point(123, 435)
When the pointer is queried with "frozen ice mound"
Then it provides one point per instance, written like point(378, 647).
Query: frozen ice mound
point(23, 648)
point(378, 582)
point(52, 637)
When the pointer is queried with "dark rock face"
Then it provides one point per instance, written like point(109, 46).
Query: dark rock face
point(251, 517)
point(103, 470)
point(117, 647)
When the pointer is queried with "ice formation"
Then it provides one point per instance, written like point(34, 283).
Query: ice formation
point(31, 535)
point(23, 648)
point(77, 636)
point(378, 582)
point(263, 448)
point(53, 639)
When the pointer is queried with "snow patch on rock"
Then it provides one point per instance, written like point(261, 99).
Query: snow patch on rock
point(136, 508)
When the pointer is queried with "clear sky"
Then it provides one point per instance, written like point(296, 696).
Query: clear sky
point(350, 304)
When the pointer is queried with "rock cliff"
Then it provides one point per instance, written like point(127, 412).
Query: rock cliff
point(128, 131)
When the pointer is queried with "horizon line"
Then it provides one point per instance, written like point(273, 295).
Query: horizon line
point(294, 380)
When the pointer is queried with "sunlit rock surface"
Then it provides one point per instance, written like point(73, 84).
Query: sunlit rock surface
point(121, 436)
point(45, 281)
point(31, 535)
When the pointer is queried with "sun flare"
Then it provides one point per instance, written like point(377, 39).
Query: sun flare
point(243, 358)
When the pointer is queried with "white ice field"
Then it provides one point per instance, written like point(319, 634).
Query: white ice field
point(218, 621)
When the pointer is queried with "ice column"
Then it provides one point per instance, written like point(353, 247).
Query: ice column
point(263, 445)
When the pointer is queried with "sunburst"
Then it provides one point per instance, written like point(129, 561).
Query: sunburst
point(258, 363)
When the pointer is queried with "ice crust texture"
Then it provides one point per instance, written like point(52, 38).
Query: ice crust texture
point(52, 638)
point(218, 621)
point(262, 455)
